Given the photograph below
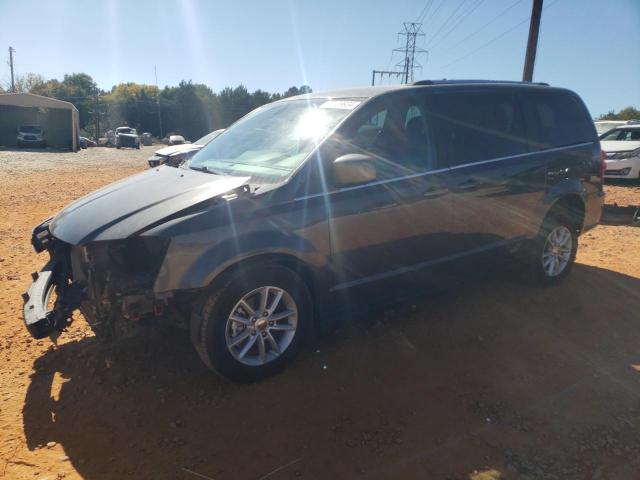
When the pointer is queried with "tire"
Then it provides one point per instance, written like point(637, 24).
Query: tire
point(253, 357)
point(551, 255)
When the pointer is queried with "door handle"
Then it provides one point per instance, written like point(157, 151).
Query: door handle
point(434, 192)
point(467, 185)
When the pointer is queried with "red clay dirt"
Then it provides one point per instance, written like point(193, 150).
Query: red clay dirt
point(493, 380)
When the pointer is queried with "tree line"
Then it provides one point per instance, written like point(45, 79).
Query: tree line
point(628, 113)
point(190, 109)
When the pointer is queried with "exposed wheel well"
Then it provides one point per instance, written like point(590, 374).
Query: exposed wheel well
point(571, 208)
point(284, 260)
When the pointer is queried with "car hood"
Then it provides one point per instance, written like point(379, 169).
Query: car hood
point(177, 149)
point(126, 207)
point(619, 146)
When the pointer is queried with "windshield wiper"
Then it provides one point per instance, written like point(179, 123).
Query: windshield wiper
point(206, 169)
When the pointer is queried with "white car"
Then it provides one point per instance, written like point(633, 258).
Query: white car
point(176, 140)
point(603, 126)
point(174, 155)
point(622, 148)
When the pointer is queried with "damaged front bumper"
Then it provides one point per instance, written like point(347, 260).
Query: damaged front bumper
point(54, 278)
point(111, 283)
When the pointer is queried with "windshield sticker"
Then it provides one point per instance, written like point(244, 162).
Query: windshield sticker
point(340, 104)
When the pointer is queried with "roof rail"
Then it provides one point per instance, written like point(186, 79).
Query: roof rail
point(444, 81)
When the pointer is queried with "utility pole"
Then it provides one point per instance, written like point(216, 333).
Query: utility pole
point(96, 113)
point(532, 43)
point(155, 71)
point(96, 109)
point(412, 30)
point(13, 85)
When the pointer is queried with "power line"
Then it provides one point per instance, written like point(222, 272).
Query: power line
point(462, 18)
point(424, 11)
point(506, 32)
point(446, 22)
point(435, 12)
point(488, 23)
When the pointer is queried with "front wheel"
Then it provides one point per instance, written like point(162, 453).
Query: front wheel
point(253, 323)
point(552, 254)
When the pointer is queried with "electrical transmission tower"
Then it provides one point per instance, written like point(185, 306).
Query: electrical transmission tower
point(412, 30)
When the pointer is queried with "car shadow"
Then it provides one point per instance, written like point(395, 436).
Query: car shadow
point(619, 182)
point(492, 374)
point(617, 215)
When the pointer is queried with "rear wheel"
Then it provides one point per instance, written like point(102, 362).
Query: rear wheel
point(552, 254)
point(253, 323)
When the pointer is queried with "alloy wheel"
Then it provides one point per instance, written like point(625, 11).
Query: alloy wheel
point(557, 250)
point(261, 325)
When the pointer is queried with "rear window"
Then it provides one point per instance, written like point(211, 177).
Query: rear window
point(556, 119)
point(477, 126)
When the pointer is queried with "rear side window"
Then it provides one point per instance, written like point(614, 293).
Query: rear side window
point(556, 119)
point(623, 134)
point(476, 126)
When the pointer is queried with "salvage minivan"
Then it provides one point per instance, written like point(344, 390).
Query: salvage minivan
point(315, 195)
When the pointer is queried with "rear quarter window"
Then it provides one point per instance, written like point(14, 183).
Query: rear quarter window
point(556, 119)
point(476, 126)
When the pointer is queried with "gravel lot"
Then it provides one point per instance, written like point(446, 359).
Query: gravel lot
point(493, 380)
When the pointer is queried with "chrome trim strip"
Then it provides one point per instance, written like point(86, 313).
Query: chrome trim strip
point(520, 155)
point(442, 170)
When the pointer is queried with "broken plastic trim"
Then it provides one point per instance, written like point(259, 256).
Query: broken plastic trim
point(54, 277)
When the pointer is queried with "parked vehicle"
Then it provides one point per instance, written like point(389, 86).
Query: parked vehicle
point(603, 126)
point(86, 142)
point(127, 137)
point(312, 197)
point(30, 136)
point(174, 155)
point(622, 149)
point(109, 139)
point(146, 139)
point(176, 140)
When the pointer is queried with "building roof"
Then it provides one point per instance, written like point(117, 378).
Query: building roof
point(32, 100)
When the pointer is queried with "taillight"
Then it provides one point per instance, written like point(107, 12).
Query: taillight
point(603, 163)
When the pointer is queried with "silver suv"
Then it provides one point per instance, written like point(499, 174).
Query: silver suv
point(30, 136)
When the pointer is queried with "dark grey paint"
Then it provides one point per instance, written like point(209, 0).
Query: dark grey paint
point(343, 236)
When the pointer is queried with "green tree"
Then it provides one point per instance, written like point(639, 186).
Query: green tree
point(77, 88)
point(28, 82)
point(628, 113)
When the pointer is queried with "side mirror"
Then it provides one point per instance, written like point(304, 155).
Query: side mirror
point(354, 169)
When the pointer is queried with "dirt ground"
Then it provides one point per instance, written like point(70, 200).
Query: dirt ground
point(490, 380)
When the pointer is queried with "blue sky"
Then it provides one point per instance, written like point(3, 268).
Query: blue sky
point(590, 46)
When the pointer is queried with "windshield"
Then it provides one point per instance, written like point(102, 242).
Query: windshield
point(126, 130)
point(603, 127)
point(273, 140)
point(622, 134)
point(30, 129)
point(208, 137)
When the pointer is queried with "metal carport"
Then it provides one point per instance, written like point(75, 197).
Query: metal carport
point(59, 119)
